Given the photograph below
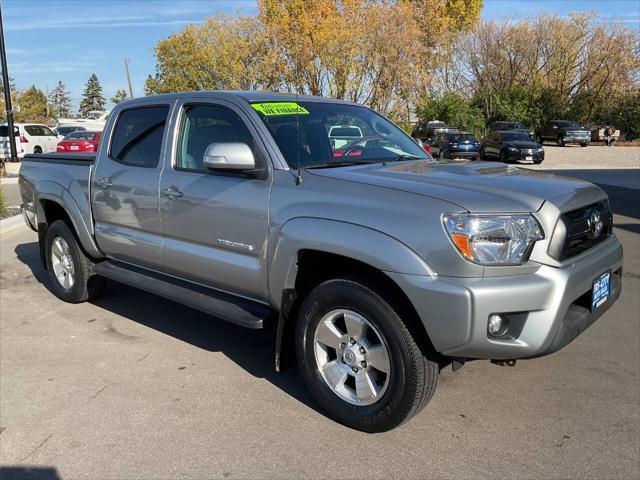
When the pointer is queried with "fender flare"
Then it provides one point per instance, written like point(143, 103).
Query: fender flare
point(52, 191)
point(355, 242)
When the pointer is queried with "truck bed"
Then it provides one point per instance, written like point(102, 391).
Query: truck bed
point(65, 158)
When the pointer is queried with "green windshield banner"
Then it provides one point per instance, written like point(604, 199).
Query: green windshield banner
point(280, 108)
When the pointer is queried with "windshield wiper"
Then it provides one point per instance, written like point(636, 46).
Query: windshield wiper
point(405, 156)
point(339, 163)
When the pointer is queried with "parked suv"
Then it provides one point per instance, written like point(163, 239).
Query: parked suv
point(563, 132)
point(30, 138)
point(380, 268)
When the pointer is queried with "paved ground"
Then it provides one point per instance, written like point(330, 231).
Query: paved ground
point(135, 386)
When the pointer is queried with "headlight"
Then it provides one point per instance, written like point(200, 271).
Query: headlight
point(513, 149)
point(493, 239)
point(541, 150)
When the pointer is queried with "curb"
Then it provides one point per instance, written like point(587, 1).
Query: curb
point(12, 223)
point(9, 181)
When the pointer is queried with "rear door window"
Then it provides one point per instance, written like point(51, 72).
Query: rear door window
point(137, 137)
point(34, 130)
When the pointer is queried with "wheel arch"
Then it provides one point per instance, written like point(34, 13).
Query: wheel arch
point(54, 202)
point(311, 251)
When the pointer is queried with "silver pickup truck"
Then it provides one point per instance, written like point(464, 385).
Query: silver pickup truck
point(379, 265)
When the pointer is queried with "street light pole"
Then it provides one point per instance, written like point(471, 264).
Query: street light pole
point(7, 92)
point(126, 67)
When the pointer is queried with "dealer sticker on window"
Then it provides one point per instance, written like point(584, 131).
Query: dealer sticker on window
point(601, 288)
point(280, 108)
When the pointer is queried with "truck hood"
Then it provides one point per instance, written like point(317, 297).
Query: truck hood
point(474, 186)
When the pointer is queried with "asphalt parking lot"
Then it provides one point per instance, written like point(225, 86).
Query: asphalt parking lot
point(135, 386)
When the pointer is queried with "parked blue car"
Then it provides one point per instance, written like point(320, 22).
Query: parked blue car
point(456, 145)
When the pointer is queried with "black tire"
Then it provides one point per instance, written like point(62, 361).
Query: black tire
point(37, 150)
point(483, 155)
point(537, 162)
point(86, 285)
point(560, 141)
point(412, 379)
point(504, 157)
point(584, 144)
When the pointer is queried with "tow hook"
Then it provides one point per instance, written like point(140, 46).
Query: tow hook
point(504, 363)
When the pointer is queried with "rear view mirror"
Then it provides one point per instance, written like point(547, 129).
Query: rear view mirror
point(229, 156)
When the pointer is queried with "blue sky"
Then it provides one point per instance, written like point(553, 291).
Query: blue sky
point(51, 40)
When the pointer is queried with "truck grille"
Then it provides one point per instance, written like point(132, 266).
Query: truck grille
point(581, 229)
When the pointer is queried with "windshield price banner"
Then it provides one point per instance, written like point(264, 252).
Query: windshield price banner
point(280, 108)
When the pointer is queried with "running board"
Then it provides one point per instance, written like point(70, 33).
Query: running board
point(214, 302)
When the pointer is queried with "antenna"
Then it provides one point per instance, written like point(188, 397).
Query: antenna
point(299, 173)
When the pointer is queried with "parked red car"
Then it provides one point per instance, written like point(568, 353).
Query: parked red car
point(79, 141)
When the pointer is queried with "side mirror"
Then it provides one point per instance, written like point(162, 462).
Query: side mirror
point(236, 156)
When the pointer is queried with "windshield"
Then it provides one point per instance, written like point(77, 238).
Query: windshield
point(567, 124)
point(79, 134)
point(516, 137)
point(308, 139)
point(461, 137)
point(67, 130)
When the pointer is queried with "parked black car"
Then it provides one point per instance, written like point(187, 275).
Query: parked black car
point(427, 131)
point(503, 126)
point(511, 146)
point(563, 132)
point(456, 145)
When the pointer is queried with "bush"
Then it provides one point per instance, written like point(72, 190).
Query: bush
point(453, 109)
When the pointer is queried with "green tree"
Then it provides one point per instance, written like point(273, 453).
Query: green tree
point(453, 109)
point(31, 106)
point(92, 98)
point(120, 96)
point(60, 100)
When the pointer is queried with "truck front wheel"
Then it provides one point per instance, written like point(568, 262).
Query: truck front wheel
point(359, 359)
point(70, 271)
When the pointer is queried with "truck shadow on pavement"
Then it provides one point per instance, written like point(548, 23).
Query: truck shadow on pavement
point(29, 473)
point(252, 350)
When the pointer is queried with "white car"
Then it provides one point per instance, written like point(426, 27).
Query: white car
point(30, 138)
point(340, 135)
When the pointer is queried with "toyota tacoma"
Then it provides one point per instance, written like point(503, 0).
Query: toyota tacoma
point(378, 265)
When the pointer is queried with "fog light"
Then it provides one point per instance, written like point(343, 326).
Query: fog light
point(497, 326)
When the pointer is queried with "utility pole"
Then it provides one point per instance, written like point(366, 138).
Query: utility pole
point(126, 67)
point(7, 92)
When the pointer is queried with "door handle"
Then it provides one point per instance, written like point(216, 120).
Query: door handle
point(172, 193)
point(105, 182)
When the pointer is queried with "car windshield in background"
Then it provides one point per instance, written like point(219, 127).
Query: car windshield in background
point(514, 125)
point(461, 137)
point(305, 134)
point(568, 124)
point(64, 131)
point(516, 137)
point(80, 135)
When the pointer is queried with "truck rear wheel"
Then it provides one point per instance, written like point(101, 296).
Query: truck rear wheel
point(359, 359)
point(70, 271)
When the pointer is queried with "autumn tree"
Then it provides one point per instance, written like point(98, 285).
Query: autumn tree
point(221, 53)
point(60, 100)
point(31, 106)
point(120, 96)
point(92, 98)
